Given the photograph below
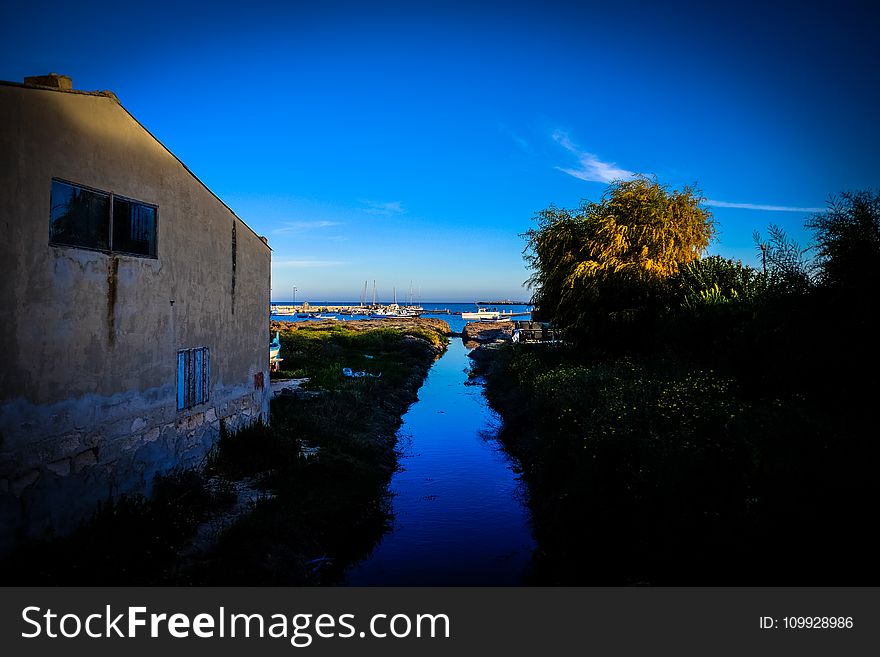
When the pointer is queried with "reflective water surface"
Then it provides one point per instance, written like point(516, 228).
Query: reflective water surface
point(458, 514)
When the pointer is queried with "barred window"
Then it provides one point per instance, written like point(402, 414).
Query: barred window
point(193, 377)
point(92, 219)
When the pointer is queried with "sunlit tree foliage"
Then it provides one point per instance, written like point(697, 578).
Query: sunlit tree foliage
point(608, 260)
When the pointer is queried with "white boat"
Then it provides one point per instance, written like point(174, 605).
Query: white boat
point(275, 353)
point(483, 314)
point(394, 311)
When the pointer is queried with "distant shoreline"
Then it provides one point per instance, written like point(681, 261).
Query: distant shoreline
point(403, 304)
point(506, 302)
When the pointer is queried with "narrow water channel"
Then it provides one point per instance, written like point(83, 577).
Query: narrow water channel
point(459, 518)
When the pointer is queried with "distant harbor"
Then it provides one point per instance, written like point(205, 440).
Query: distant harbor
point(316, 310)
point(504, 302)
point(307, 309)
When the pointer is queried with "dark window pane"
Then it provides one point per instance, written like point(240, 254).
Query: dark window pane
point(134, 228)
point(79, 217)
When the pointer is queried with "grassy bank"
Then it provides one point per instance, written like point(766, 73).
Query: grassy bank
point(328, 509)
point(316, 476)
point(657, 468)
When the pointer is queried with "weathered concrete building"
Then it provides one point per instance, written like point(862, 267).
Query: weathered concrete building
point(134, 309)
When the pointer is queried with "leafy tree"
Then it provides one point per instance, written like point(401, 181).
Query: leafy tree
point(848, 241)
point(609, 260)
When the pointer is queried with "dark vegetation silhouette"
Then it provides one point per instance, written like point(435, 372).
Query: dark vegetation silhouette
point(705, 422)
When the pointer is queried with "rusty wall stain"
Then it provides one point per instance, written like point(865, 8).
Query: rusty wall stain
point(112, 285)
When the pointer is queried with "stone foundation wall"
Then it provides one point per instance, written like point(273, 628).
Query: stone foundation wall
point(48, 488)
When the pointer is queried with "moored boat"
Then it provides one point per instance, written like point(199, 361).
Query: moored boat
point(481, 313)
point(275, 352)
point(393, 311)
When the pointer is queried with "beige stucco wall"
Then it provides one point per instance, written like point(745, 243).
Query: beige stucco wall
point(89, 341)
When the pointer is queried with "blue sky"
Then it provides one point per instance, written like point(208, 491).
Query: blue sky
point(415, 141)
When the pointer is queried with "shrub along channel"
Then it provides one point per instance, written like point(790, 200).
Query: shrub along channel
point(704, 422)
point(653, 469)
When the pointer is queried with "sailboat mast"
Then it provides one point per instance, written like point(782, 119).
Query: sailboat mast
point(374, 291)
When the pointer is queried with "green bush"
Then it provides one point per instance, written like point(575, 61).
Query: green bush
point(715, 280)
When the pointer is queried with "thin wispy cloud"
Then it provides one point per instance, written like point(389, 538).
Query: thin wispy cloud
point(591, 168)
point(384, 209)
point(306, 264)
point(759, 206)
point(298, 226)
point(518, 140)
